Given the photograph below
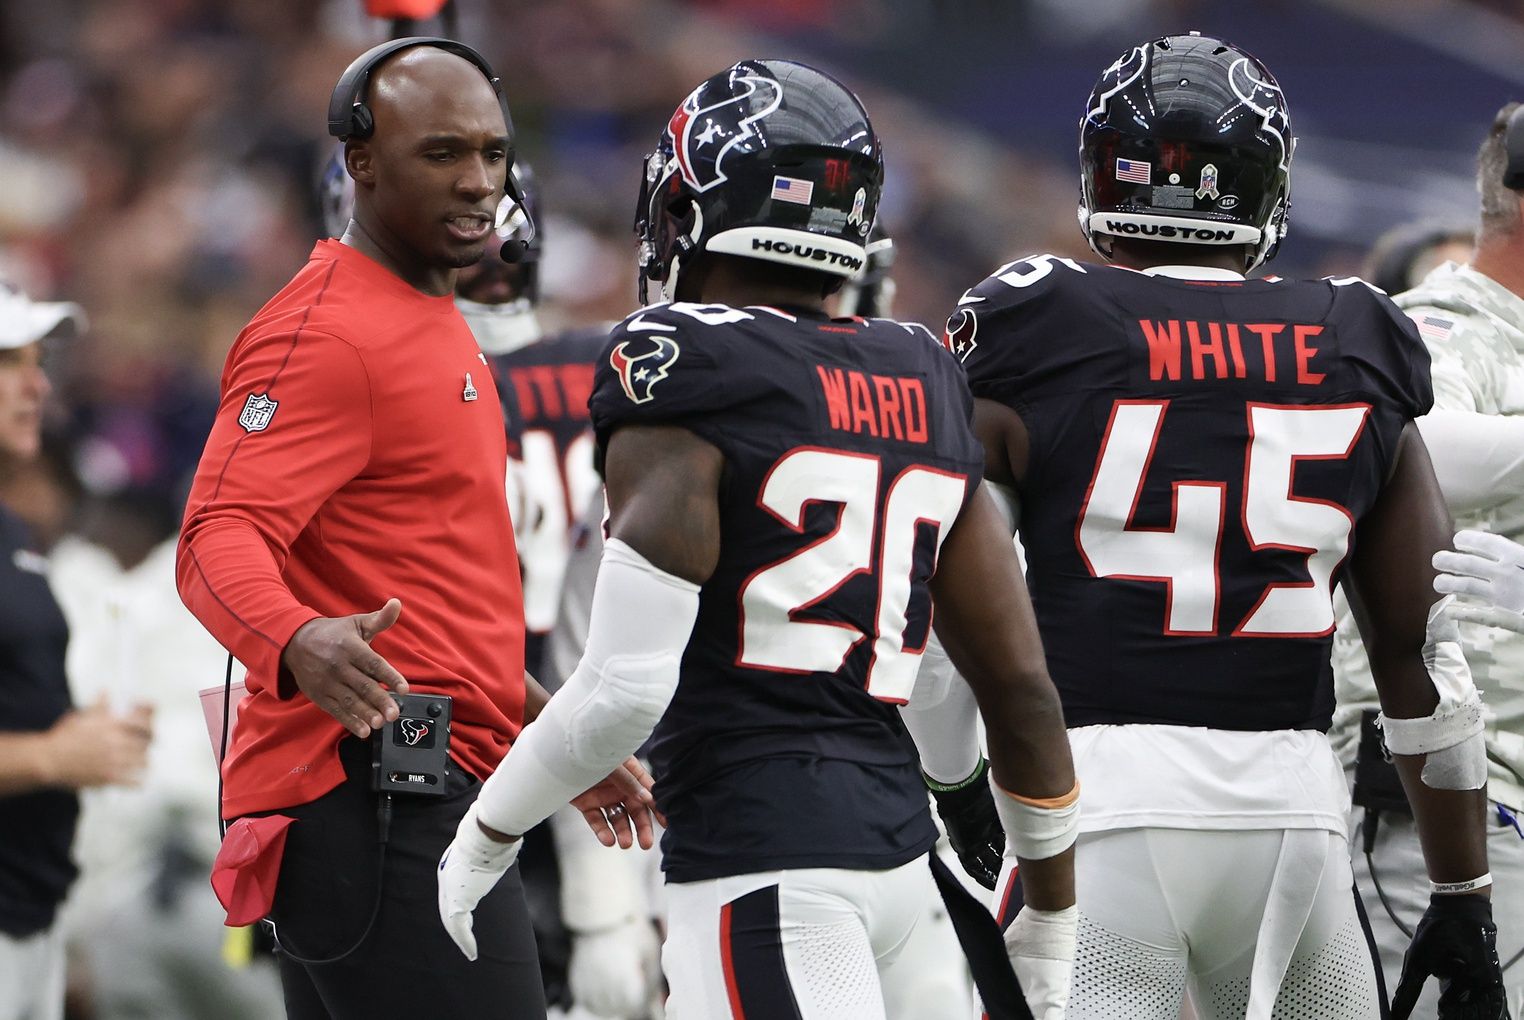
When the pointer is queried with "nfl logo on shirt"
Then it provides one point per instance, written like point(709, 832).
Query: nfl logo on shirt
point(257, 412)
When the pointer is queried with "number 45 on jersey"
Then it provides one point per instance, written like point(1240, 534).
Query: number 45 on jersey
point(1186, 555)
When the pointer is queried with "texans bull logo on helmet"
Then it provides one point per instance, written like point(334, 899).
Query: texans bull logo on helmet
point(642, 363)
point(703, 135)
point(1125, 70)
point(1264, 98)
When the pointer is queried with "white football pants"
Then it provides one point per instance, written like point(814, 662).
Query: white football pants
point(1163, 910)
point(799, 944)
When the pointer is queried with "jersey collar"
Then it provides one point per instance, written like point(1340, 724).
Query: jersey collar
point(1193, 273)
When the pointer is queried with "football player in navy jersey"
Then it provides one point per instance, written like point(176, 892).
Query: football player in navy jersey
point(787, 492)
point(1196, 459)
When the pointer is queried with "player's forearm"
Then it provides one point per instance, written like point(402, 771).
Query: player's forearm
point(1451, 825)
point(536, 697)
point(24, 763)
point(1029, 746)
point(1048, 884)
point(943, 719)
point(642, 619)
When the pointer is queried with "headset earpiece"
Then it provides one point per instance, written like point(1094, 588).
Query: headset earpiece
point(1513, 146)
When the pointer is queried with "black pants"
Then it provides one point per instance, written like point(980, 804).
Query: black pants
point(407, 967)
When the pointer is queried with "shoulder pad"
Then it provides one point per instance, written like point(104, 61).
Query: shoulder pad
point(667, 362)
point(1011, 286)
point(1393, 343)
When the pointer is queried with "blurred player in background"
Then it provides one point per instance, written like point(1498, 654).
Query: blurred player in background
point(48, 749)
point(1193, 456)
point(1470, 313)
point(1404, 255)
point(798, 827)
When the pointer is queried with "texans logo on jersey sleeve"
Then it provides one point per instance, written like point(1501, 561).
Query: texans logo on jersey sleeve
point(642, 362)
point(962, 327)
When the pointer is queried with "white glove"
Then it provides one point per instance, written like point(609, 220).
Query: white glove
point(610, 970)
point(1490, 568)
point(470, 867)
point(1040, 944)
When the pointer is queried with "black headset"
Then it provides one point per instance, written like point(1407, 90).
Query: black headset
point(349, 119)
point(1513, 146)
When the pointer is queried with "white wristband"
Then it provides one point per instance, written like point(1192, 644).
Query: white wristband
point(1449, 888)
point(1037, 829)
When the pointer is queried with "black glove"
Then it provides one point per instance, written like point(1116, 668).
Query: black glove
point(1456, 942)
point(973, 827)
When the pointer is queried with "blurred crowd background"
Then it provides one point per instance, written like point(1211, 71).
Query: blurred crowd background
point(157, 157)
point(158, 161)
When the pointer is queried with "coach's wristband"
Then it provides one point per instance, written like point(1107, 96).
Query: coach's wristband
point(1453, 888)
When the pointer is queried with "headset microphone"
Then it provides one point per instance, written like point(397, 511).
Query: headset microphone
point(515, 250)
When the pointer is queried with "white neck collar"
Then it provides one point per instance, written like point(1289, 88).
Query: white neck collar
point(1193, 273)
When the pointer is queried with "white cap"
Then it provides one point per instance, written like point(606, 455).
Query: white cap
point(24, 321)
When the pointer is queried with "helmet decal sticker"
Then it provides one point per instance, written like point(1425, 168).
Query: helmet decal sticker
point(1264, 98)
point(700, 154)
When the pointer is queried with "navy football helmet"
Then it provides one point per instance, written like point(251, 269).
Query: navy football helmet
point(769, 160)
point(1187, 139)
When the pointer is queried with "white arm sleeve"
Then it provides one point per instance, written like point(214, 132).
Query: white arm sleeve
point(1478, 458)
point(641, 621)
point(943, 718)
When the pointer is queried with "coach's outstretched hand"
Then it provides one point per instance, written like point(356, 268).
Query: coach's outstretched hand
point(331, 660)
point(1489, 570)
point(972, 824)
point(1457, 943)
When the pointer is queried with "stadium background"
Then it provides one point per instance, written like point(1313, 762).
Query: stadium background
point(157, 156)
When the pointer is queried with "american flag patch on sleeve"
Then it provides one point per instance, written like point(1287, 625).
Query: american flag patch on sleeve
point(792, 189)
point(1432, 327)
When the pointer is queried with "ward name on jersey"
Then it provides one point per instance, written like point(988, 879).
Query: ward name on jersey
point(848, 457)
point(1233, 432)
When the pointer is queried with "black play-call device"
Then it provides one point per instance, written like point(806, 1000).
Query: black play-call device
point(410, 754)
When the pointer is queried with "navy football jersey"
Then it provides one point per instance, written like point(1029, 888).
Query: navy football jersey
point(550, 382)
point(848, 455)
point(1200, 453)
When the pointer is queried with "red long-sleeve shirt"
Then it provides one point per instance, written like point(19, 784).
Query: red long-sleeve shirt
point(358, 454)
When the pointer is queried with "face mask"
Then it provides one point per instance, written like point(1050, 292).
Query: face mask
point(504, 328)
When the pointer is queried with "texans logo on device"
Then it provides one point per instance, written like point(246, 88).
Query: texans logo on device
point(697, 155)
point(413, 730)
point(643, 362)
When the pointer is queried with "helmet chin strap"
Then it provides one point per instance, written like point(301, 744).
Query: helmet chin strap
point(674, 267)
point(504, 328)
point(669, 284)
